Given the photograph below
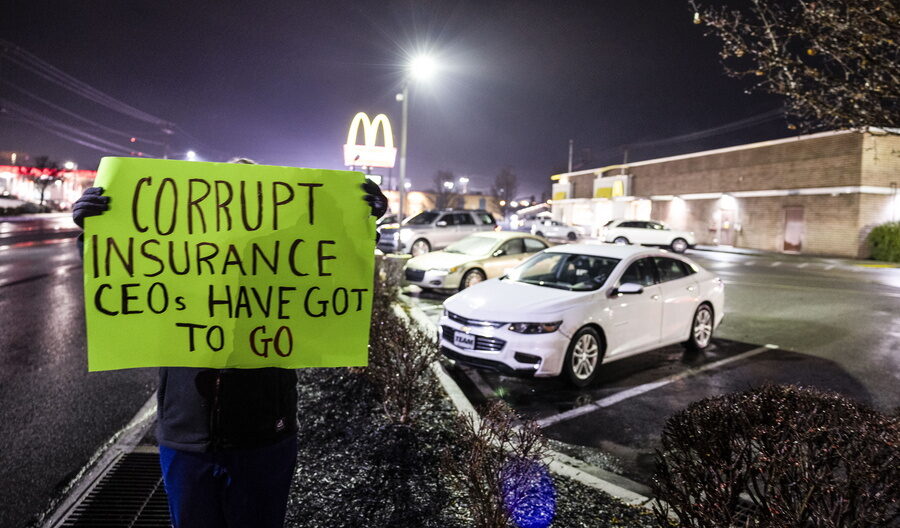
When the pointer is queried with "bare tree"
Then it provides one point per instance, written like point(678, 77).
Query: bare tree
point(837, 62)
point(445, 195)
point(44, 173)
point(506, 185)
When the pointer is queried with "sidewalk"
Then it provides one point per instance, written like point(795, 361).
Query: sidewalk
point(798, 256)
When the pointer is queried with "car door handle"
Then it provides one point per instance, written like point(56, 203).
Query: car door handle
point(654, 297)
point(691, 288)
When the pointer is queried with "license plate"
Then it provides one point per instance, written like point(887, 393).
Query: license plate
point(462, 340)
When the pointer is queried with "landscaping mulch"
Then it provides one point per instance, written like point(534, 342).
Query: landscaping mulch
point(356, 469)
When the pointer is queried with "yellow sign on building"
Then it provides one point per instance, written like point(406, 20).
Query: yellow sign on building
point(369, 154)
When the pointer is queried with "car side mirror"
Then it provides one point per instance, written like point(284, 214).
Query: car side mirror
point(499, 253)
point(629, 288)
point(441, 223)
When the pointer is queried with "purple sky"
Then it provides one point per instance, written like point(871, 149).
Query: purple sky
point(280, 84)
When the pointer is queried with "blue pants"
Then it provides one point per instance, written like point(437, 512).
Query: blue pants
point(246, 487)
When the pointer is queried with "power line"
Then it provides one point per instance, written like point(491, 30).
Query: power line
point(79, 117)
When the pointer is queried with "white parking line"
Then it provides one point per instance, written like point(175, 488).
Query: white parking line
point(647, 387)
point(478, 380)
point(802, 265)
point(828, 267)
point(749, 263)
point(776, 264)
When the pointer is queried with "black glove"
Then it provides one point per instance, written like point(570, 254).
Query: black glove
point(376, 199)
point(91, 203)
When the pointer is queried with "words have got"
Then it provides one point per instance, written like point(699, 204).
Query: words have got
point(217, 206)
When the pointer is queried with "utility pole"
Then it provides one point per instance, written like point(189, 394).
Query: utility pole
point(571, 146)
point(404, 99)
point(624, 161)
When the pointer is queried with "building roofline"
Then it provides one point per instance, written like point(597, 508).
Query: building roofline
point(722, 150)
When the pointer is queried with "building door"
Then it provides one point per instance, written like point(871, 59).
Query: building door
point(794, 228)
point(726, 227)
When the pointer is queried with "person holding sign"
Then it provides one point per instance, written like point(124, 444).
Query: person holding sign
point(227, 436)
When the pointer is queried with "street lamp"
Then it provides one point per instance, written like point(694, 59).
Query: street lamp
point(191, 155)
point(69, 165)
point(464, 183)
point(420, 68)
point(448, 185)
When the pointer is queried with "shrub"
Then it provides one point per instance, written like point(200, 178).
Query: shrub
point(884, 242)
point(400, 354)
point(499, 469)
point(802, 457)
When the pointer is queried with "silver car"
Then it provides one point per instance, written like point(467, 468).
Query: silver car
point(431, 230)
point(473, 259)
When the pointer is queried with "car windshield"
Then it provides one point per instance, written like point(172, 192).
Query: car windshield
point(421, 218)
point(472, 245)
point(565, 271)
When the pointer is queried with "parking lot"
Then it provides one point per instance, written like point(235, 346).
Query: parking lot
point(805, 321)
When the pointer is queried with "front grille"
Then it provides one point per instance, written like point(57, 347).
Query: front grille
point(472, 322)
point(415, 275)
point(129, 494)
point(488, 344)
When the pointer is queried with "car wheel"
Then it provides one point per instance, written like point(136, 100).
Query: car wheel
point(679, 245)
point(621, 240)
point(572, 236)
point(419, 247)
point(471, 278)
point(539, 233)
point(701, 329)
point(583, 357)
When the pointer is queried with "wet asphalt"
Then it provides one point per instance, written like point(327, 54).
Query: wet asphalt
point(54, 415)
point(831, 324)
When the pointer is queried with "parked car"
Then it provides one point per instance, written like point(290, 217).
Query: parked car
point(473, 259)
point(555, 229)
point(572, 307)
point(387, 219)
point(647, 233)
point(430, 230)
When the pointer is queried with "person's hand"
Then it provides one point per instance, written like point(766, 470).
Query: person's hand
point(375, 198)
point(91, 203)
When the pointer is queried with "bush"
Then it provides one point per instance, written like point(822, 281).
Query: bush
point(802, 457)
point(400, 354)
point(884, 242)
point(499, 469)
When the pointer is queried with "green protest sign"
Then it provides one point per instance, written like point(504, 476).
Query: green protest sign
point(227, 266)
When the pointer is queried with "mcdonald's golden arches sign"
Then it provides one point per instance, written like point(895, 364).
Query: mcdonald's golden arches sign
point(369, 154)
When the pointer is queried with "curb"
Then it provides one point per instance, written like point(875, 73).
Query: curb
point(123, 442)
point(625, 490)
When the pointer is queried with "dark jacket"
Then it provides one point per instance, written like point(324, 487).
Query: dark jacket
point(202, 409)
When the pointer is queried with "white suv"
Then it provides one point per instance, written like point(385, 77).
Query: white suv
point(436, 229)
point(647, 233)
point(554, 229)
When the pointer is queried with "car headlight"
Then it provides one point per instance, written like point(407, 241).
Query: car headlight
point(534, 328)
point(447, 270)
point(396, 235)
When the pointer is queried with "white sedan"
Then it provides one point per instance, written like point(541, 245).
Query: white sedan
point(572, 307)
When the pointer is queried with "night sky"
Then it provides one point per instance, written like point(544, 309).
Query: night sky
point(280, 83)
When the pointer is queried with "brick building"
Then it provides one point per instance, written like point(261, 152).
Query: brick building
point(816, 194)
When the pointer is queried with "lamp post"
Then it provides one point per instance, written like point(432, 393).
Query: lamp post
point(421, 67)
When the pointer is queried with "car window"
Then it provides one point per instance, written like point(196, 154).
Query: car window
point(487, 219)
point(639, 272)
point(607, 224)
point(629, 224)
point(422, 218)
point(515, 246)
point(669, 269)
point(655, 225)
point(449, 218)
point(533, 245)
point(564, 271)
point(475, 245)
point(464, 219)
point(689, 269)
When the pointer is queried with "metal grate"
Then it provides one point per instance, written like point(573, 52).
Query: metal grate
point(130, 494)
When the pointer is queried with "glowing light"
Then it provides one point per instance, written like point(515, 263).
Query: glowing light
point(69, 165)
point(422, 67)
point(369, 153)
point(514, 204)
point(407, 185)
point(502, 203)
point(728, 202)
point(464, 180)
point(191, 155)
point(448, 185)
